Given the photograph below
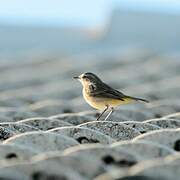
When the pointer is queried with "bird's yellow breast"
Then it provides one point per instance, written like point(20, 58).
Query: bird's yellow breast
point(101, 103)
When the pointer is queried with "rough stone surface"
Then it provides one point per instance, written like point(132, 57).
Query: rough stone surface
point(170, 138)
point(165, 123)
point(48, 131)
point(115, 130)
point(83, 135)
point(42, 141)
point(44, 123)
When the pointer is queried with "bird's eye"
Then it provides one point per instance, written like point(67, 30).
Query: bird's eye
point(84, 77)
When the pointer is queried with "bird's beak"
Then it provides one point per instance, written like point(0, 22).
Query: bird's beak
point(76, 77)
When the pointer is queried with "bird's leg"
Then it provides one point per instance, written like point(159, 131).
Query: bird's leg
point(102, 112)
point(112, 109)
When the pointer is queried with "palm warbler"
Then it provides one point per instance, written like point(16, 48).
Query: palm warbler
point(101, 96)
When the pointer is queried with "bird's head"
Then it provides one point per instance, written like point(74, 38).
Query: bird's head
point(88, 79)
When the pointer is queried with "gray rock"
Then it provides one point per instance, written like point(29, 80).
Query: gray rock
point(173, 116)
point(50, 108)
point(4, 118)
point(10, 129)
point(83, 135)
point(15, 115)
point(169, 138)
point(115, 130)
point(142, 127)
point(160, 110)
point(73, 118)
point(153, 150)
point(39, 170)
point(5, 133)
point(107, 157)
point(85, 166)
point(44, 123)
point(42, 141)
point(13, 152)
point(167, 169)
point(160, 169)
point(17, 128)
point(135, 115)
point(165, 123)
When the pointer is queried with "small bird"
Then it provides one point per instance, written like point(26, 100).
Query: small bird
point(101, 96)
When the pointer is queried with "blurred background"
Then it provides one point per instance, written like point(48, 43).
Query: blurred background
point(65, 27)
point(133, 45)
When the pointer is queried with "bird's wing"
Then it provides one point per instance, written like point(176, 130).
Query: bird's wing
point(106, 91)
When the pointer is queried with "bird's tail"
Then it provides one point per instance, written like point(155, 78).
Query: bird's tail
point(138, 99)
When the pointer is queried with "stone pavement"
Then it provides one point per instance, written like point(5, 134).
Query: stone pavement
point(48, 132)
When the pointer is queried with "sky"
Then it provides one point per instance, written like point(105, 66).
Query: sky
point(75, 12)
